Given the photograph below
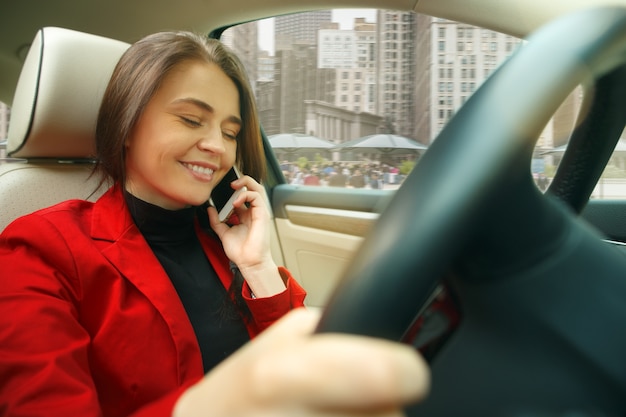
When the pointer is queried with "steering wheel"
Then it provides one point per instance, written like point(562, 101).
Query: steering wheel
point(542, 296)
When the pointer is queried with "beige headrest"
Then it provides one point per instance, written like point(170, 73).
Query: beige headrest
point(58, 94)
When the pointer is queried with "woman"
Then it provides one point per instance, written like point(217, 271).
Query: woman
point(125, 306)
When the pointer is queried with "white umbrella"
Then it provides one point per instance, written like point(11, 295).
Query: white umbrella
point(293, 142)
point(385, 143)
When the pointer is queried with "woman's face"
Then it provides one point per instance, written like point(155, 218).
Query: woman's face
point(186, 138)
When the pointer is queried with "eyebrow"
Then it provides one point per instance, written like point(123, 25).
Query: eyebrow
point(206, 106)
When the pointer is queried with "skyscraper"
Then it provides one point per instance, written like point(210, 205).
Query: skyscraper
point(243, 40)
point(460, 58)
point(301, 28)
point(353, 54)
point(396, 71)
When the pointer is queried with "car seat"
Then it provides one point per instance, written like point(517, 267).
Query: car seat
point(51, 138)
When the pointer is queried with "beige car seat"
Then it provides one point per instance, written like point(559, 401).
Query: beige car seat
point(50, 141)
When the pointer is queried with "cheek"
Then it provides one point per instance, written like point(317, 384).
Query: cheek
point(231, 152)
point(132, 159)
point(148, 157)
point(137, 146)
point(138, 155)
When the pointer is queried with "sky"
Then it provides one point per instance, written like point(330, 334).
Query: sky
point(345, 18)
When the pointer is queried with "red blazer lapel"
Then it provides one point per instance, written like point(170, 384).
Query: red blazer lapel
point(126, 249)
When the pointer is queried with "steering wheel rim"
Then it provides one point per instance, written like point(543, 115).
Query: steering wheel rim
point(477, 173)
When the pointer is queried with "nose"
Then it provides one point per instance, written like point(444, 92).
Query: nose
point(212, 141)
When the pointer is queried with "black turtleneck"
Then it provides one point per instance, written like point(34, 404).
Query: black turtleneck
point(171, 234)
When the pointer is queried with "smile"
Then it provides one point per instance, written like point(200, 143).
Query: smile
point(198, 169)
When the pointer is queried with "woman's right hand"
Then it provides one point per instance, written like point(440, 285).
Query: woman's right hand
point(287, 371)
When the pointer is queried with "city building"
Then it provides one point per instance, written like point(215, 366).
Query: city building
point(461, 58)
point(411, 71)
point(265, 66)
point(352, 53)
point(301, 28)
point(295, 81)
point(243, 40)
point(396, 65)
point(453, 60)
point(336, 48)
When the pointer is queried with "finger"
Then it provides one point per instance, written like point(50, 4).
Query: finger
point(345, 372)
point(252, 185)
point(298, 322)
point(253, 200)
point(247, 196)
point(248, 182)
point(218, 227)
point(360, 376)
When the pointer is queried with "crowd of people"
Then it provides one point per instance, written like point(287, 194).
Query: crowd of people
point(338, 174)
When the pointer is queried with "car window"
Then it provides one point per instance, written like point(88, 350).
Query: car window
point(354, 97)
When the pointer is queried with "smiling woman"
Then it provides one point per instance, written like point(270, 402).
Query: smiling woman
point(164, 154)
point(140, 298)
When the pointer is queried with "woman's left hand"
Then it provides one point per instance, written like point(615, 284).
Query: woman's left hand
point(247, 243)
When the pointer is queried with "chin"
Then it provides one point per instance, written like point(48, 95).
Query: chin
point(199, 200)
point(196, 202)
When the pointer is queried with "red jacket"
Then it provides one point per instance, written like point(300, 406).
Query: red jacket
point(90, 324)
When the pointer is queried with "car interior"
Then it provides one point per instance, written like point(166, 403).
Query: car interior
point(56, 140)
point(534, 281)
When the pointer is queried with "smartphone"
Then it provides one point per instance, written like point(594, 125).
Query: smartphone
point(223, 194)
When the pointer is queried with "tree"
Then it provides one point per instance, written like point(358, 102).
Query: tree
point(389, 124)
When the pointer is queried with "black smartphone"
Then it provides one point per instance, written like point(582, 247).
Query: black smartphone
point(223, 194)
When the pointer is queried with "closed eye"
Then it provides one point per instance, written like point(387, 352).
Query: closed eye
point(231, 136)
point(190, 122)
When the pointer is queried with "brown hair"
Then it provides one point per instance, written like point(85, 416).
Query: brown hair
point(137, 77)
